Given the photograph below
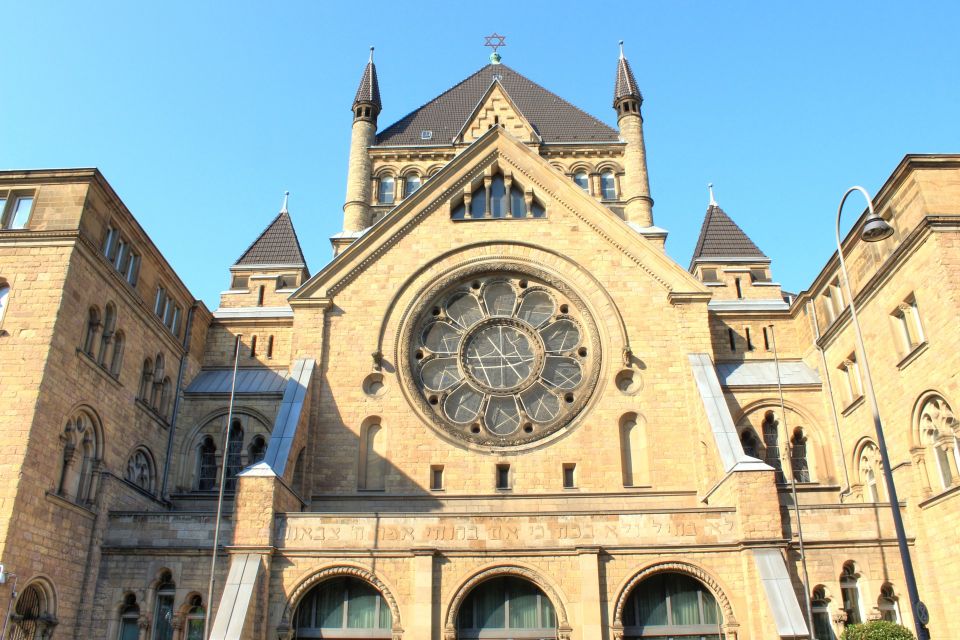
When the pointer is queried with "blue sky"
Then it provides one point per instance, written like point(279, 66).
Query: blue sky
point(202, 114)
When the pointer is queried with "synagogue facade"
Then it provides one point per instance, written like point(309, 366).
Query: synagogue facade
point(500, 411)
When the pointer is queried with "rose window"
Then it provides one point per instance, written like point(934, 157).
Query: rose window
point(502, 359)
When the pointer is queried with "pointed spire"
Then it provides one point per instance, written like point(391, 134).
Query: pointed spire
point(626, 85)
point(368, 92)
point(713, 201)
point(278, 245)
point(721, 239)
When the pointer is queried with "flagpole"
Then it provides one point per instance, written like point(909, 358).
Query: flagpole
point(793, 487)
point(223, 475)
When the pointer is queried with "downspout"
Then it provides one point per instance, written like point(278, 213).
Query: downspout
point(812, 312)
point(176, 400)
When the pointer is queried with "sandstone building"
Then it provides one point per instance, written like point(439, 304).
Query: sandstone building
point(500, 411)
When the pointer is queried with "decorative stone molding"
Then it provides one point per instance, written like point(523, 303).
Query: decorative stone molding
point(285, 628)
point(729, 621)
point(564, 630)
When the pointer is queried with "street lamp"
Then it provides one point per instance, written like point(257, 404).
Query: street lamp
point(875, 229)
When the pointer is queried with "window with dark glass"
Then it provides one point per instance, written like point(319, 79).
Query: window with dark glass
point(129, 619)
point(751, 446)
point(207, 465)
point(163, 613)
point(341, 608)
point(671, 605)
point(410, 185)
point(850, 591)
point(569, 476)
point(494, 200)
point(582, 180)
point(820, 608)
point(194, 621)
point(506, 608)
point(503, 476)
point(798, 456)
point(234, 455)
point(436, 477)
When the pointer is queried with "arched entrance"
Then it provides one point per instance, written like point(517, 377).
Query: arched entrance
point(506, 608)
point(343, 607)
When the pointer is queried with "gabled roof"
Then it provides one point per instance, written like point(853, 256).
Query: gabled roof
point(626, 85)
point(277, 245)
point(720, 237)
point(369, 89)
point(555, 119)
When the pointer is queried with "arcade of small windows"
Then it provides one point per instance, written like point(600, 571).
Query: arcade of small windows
point(258, 348)
point(102, 341)
point(156, 389)
point(768, 449)
point(603, 184)
point(498, 198)
point(169, 312)
point(82, 450)
point(238, 457)
point(121, 256)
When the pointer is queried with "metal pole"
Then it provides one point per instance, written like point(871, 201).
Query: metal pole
point(917, 608)
point(793, 487)
point(223, 475)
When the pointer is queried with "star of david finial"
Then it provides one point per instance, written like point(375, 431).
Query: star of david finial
point(495, 41)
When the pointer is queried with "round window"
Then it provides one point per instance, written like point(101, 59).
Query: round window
point(502, 358)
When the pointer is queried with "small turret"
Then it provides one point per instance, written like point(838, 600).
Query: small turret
point(636, 185)
point(366, 108)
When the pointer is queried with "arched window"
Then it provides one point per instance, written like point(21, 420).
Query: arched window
point(798, 456)
point(129, 619)
point(140, 470)
point(887, 604)
point(116, 360)
point(195, 615)
point(608, 185)
point(234, 460)
point(938, 428)
point(385, 194)
point(671, 605)
point(506, 607)
point(257, 449)
point(632, 450)
point(582, 180)
point(750, 444)
point(372, 462)
point(4, 296)
point(850, 590)
point(339, 608)
point(771, 443)
point(32, 616)
point(166, 398)
point(206, 464)
point(870, 469)
point(106, 337)
point(93, 330)
point(410, 185)
point(163, 613)
point(820, 608)
point(146, 380)
point(499, 198)
point(253, 346)
point(80, 459)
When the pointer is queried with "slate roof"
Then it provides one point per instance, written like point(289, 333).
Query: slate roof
point(555, 119)
point(369, 89)
point(626, 85)
point(720, 237)
point(248, 381)
point(278, 244)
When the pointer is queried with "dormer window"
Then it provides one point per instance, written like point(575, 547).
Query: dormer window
point(582, 180)
point(387, 190)
point(608, 185)
point(498, 197)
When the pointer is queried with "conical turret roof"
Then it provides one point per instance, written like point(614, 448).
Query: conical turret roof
point(721, 238)
point(626, 84)
point(276, 246)
point(369, 89)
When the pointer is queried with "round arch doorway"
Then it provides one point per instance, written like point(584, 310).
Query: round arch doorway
point(343, 607)
point(506, 608)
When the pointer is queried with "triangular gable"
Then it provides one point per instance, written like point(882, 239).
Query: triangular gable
point(498, 146)
point(497, 108)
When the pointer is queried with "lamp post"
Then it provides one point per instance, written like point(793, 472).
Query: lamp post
point(875, 229)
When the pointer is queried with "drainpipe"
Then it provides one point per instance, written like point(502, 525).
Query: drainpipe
point(812, 312)
point(176, 400)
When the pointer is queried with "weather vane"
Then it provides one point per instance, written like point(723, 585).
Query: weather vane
point(495, 41)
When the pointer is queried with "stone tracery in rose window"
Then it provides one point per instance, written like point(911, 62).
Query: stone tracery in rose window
point(504, 358)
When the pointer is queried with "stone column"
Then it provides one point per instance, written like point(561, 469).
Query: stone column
point(635, 182)
point(356, 209)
